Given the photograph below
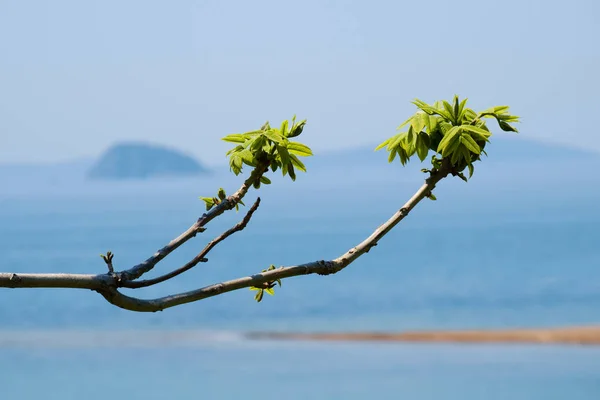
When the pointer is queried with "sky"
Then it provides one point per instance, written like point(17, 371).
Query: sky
point(76, 77)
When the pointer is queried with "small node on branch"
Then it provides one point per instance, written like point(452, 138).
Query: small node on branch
point(431, 196)
point(268, 287)
point(14, 278)
point(370, 246)
point(328, 267)
point(108, 260)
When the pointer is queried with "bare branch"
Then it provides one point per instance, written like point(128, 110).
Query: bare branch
point(198, 258)
point(316, 267)
point(107, 284)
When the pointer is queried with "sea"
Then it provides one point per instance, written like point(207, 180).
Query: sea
point(517, 247)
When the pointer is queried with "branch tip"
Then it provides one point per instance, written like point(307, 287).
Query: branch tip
point(108, 260)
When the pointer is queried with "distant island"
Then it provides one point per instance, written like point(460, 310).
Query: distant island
point(142, 161)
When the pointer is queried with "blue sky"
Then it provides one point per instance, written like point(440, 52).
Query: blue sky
point(78, 76)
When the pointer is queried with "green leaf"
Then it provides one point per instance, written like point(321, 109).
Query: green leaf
point(297, 163)
point(444, 126)
point(235, 138)
point(392, 154)
point(471, 169)
point(299, 149)
point(284, 156)
point(403, 155)
point(410, 146)
point(506, 126)
point(418, 122)
point(469, 115)
point(235, 163)
point(297, 129)
point(410, 135)
point(422, 145)
point(221, 194)
point(455, 108)
point(456, 154)
point(449, 138)
point(247, 157)
point(470, 143)
point(259, 295)
point(466, 153)
point(384, 143)
point(481, 133)
point(291, 172)
point(209, 202)
point(236, 149)
point(257, 144)
point(424, 107)
point(461, 110)
point(449, 110)
point(433, 110)
point(496, 110)
point(397, 140)
point(274, 136)
point(270, 291)
point(432, 197)
point(432, 123)
point(508, 118)
point(265, 180)
point(283, 130)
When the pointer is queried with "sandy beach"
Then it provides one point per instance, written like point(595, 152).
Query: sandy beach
point(588, 335)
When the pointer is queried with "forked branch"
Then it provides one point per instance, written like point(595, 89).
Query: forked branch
point(200, 257)
point(107, 285)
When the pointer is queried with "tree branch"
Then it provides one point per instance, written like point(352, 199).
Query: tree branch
point(107, 284)
point(198, 258)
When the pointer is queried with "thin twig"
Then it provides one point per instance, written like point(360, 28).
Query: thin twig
point(200, 257)
point(108, 260)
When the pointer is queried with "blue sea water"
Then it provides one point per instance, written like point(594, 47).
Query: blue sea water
point(497, 253)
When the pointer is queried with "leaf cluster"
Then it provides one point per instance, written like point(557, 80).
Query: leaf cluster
point(268, 287)
point(452, 131)
point(271, 147)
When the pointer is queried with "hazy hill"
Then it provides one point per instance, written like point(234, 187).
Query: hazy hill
point(141, 160)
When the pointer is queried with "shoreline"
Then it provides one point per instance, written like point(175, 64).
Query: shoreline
point(150, 338)
point(585, 335)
